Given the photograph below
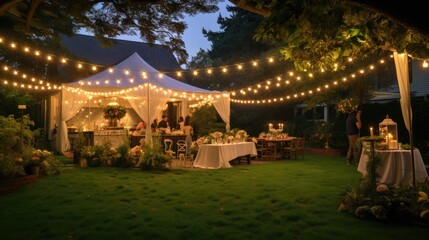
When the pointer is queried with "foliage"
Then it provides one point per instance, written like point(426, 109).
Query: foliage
point(14, 139)
point(231, 44)
point(156, 23)
point(324, 34)
point(205, 119)
point(11, 167)
point(11, 98)
point(51, 166)
point(347, 105)
point(153, 157)
point(88, 151)
point(123, 158)
point(388, 203)
point(114, 111)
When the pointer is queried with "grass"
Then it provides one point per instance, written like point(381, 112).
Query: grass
point(291, 199)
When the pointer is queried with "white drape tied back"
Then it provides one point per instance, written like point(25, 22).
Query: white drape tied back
point(401, 65)
point(222, 105)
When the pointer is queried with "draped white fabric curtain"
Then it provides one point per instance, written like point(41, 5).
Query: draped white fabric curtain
point(148, 104)
point(71, 102)
point(223, 107)
point(401, 65)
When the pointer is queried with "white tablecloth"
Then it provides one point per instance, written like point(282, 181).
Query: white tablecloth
point(214, 156)
point(396, 167)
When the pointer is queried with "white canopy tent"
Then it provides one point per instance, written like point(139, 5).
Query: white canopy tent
point(144, 88)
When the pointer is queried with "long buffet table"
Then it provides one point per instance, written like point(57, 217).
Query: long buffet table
point(118, 136)
point(215, 156)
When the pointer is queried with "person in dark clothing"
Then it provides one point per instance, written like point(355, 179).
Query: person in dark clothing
point(163, 123)
point(180, 123)
point(154, 125)
point(353, 126)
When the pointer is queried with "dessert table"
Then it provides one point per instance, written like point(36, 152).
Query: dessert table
point(215, 156)
point(396, 167)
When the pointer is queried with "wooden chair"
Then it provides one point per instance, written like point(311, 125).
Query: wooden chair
point(290, 150)
point(272, 151)
point(300, 147)
point(262, 150)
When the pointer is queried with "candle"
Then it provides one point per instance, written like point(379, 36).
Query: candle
point(393, 144)
point(371, 133)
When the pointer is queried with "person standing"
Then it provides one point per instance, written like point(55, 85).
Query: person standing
point(187, 130)
point(180, 123)
point(353, 126)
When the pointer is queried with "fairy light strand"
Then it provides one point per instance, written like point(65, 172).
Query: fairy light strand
point(327, 86)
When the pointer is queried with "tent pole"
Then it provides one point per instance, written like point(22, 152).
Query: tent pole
point(148, 112)
point(410, 120)
point(412, 145)
point(58, 140)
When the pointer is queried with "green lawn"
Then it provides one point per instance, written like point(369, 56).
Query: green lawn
point(289, 199)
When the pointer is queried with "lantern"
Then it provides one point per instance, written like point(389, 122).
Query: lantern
point(388, 129)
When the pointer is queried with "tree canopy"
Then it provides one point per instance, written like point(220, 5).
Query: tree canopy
point(323, 34)
point(159, 21)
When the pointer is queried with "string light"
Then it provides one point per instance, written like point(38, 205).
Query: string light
point(303, 93)
point(23, 75)
point(82, 65)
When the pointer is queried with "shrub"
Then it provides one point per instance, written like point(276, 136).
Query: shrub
point(10, 167)
point(15, 135)
point(51, 166)
point(153, 156)
point(123, 158)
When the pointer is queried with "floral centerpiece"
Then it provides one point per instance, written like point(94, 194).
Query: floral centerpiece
point(241, 135)
point(273, 132)
point(216, 135)
point(113, 113)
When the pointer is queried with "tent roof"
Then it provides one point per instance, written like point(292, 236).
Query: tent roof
point(130, 73)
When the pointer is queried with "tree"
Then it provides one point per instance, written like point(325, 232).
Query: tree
point(233, 44)
point(155, 20)
point(324, 34)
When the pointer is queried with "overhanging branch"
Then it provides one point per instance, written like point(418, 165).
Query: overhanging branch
point(246, 5)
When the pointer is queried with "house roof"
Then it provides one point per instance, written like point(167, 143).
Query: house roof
point(91, 49)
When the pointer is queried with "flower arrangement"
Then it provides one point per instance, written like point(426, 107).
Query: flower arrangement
point(216, 135)
point(136, 151)
point(347, 105)
point(241, 135)
point(195, 146)
point(39, 156)
point(114, 111)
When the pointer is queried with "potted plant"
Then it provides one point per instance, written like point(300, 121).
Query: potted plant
point(87, 156)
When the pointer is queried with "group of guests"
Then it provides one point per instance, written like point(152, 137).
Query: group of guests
point(183, 124)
